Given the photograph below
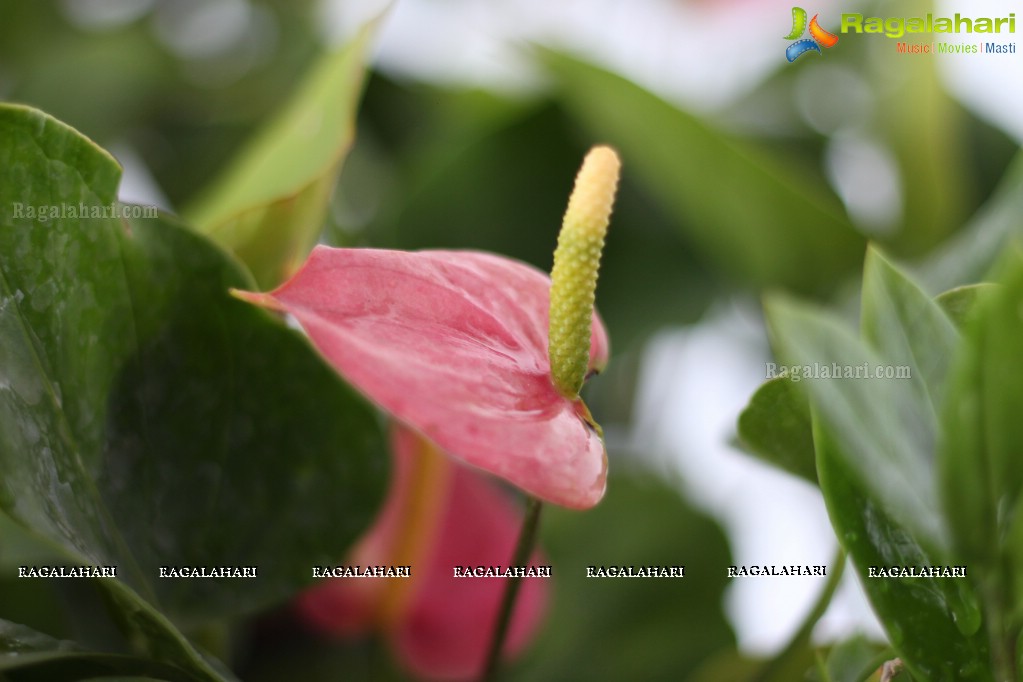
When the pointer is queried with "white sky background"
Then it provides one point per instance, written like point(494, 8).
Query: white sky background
point(700, 55)
point(696, 381)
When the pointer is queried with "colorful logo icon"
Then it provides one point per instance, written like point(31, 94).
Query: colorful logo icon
point(818, 36)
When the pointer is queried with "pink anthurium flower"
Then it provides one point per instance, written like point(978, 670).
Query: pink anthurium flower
point(482, 355)
point(438, 516)
point(455, 345)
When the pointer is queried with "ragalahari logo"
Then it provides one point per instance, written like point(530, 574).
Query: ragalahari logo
point(818, 36)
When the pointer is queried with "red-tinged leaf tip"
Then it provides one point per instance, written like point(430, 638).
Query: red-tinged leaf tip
point(455, 345)
point(442, 625)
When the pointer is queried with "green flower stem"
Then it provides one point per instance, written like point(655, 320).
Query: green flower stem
point(802, 635)
point(523, 548)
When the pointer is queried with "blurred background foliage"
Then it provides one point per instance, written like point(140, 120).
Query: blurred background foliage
point(764, 192)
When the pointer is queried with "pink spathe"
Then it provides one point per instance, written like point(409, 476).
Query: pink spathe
point(454, 344)
point(439, 515)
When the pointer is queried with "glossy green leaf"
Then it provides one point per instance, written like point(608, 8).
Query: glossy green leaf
point(135, 403)
point(775, 426)
point(959, 303)
point(908, 329)
point(38, 604)
point(268, 206)
point(769, 222)
point(874, 439)
point(980, 452)
point(881, 422)
point(933, 624)
point(30, 656)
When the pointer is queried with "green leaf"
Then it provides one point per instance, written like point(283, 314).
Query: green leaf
point(854, 660)
point(30, 656)
point(979, 454)
point(269, 205)
point(18, 547)
point(288, 459)
point(149, 419)
point(775, 427)
point(874, 439)
point(770, 223)
point(72, 610)
point(959, 303)
point(908, 329)
point(899, 320)
point(933, 624)
point(881, 422)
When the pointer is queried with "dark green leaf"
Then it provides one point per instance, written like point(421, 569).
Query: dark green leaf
point(17, 639)
point(30, 656)
point(149, 419)
point(983, 431)
point(68, 609)
point(18, 547)
point(759, 218)
point(288, 458)
point(775, 427)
